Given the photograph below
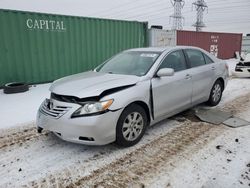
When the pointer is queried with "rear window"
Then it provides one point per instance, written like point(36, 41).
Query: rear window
point(208, 59)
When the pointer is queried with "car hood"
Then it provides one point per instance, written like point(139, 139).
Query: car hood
point(89, 84)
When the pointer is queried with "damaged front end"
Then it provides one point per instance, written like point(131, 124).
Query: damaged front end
point(90, 105)
point(77, 100)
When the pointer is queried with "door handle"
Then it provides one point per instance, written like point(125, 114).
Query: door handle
point(188, 76)
point(213, 68)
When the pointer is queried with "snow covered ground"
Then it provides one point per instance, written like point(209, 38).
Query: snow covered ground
point(223, 163)
point(20, 109)
point(179, 152)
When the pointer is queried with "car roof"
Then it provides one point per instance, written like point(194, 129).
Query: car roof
point(162, 49)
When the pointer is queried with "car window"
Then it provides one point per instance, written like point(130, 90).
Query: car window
point(130, 63)
point(195, 58)
point(174, 60)
point(208, 59)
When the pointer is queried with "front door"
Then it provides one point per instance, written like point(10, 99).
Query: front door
point(172, 93)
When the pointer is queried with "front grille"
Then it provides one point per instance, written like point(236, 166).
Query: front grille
point(53, 110)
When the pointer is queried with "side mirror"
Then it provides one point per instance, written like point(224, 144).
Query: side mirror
point(165, 72)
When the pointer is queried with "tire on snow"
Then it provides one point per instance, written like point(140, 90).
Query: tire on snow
point(133, 108)
point(217, 87)
point(15, 87)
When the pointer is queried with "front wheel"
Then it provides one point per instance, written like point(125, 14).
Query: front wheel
point(215, 94)
point(131, 125)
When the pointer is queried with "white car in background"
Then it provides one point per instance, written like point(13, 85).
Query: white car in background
point(242, 69)
point(136, 88)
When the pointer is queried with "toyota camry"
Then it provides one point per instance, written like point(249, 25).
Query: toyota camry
point(136, 88)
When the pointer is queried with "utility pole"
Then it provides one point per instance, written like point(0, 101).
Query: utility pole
point(200, 6)
point(177, 16)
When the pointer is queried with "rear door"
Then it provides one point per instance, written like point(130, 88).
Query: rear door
point(172, 93)
point(203, 74)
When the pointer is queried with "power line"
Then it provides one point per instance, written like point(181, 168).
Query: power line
point(163, 17)
point(159, 12)
point(117, 6)
point(221, 11)
point(150, 4)
point(153, 11)
point(233, 21)
point(147, 5)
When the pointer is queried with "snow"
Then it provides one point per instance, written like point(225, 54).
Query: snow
point(212, 167)
point(51, 155)
point(20, 109)
point(235, 87)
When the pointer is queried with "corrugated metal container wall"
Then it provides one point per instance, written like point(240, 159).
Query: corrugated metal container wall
point(161, 38)
point(222, 45)
point(39, 47)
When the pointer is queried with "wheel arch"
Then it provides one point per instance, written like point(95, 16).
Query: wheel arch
point(120, 139)
point(144, 106)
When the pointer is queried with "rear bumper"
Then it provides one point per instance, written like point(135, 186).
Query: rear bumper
point(90, 130)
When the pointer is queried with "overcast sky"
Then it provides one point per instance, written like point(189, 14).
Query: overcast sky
point(222, 15)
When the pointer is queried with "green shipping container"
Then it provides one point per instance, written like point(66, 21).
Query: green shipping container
point(37, 47)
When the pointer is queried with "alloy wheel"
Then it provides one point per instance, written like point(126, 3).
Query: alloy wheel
point(216, 92)
point(132, 126)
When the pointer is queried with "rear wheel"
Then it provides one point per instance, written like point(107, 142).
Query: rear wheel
point(131, 125)
point(216, 93)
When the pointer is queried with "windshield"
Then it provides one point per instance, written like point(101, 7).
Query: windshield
point(130, 63)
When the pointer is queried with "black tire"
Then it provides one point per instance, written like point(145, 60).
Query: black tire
point(138, 112)
point(215, 93)
point(15, 87)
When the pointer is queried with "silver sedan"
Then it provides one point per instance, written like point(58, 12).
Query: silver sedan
point(118, 100)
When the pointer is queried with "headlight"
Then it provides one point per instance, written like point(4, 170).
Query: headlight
point(92, 108)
